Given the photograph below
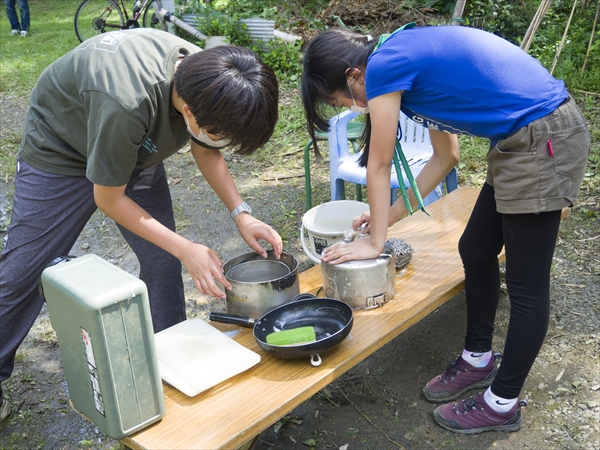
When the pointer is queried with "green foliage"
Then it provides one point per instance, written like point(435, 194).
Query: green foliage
point(570, 61)
point(502, 17)
point(247, 9)
point(284, 58)
point(213, 22)
point(224, 19)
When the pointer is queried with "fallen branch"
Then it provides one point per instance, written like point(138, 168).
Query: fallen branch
point(282, 177)
point(371, 422)
point(587, 239)
point(293, 152)
point(586, 92)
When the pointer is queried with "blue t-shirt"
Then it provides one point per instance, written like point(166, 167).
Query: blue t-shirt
point(463, 80)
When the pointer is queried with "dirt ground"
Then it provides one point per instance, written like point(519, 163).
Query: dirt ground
point(376, 405)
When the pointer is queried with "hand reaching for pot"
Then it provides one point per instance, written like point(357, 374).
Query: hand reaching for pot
point(252, 230)
point(205, 266)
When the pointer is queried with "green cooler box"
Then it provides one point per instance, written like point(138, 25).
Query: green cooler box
point(101, 315)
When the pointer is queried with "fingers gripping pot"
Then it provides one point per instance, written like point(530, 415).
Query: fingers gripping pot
point(260, 284)
point(362, 284)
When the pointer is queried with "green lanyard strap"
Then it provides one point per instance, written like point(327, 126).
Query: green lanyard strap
point(399, 154)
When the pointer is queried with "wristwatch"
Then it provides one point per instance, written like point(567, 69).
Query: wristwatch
point(243, 208)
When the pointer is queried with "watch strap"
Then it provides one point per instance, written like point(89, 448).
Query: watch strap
point(244, 207)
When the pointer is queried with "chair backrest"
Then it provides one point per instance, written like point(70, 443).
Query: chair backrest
point(338, 137)
point(416, 143)
point(415, 137)
point(413, 133)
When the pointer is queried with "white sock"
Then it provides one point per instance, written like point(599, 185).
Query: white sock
point(477, 359)
point(498, 404)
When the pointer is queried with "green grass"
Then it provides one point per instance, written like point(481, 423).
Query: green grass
point(22, 60)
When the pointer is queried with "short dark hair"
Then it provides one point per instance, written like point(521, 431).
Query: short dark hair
point(326, 60)
point(231, 93)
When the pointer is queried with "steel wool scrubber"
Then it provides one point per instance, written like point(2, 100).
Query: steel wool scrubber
point(403, 251)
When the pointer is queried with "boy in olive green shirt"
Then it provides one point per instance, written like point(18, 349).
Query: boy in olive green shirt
point(101, 120)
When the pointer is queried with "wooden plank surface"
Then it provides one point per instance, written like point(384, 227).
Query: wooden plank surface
point(236, 410)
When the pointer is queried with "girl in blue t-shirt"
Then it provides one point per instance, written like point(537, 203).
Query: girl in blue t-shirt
point(459, 80)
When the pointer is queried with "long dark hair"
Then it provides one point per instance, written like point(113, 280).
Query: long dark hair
point(327, 59)
point(232, 93)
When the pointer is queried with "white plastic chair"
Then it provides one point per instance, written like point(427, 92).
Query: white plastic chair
point(416, 146)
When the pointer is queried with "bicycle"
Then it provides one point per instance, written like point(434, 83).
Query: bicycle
point(99, 16)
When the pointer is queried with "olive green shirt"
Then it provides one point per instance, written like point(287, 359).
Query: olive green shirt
point(105, 108)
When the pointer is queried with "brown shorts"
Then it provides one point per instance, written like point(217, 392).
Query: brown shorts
point(540, 166)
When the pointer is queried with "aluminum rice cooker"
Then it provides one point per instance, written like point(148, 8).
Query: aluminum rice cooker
point(363, 284)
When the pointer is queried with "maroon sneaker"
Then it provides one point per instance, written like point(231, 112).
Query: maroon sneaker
point(474, 416)
point(458, 378)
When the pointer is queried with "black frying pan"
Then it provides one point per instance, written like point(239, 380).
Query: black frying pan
point(332, 320)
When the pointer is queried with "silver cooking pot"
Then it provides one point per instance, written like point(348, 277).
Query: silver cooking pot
point(260, 285)
point(363, 284)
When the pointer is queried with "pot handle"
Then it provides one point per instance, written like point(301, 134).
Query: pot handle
point(305, 248)
point(232, 319)
point(303, 296)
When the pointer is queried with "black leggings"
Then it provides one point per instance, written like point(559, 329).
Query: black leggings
point(529, 241)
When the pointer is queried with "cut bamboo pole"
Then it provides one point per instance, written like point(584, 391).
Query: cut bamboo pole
point(587, 53)
point(535, 24)
point(562, 41)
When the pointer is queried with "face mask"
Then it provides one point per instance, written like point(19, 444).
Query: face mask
point(357, 109)
point(205, 139)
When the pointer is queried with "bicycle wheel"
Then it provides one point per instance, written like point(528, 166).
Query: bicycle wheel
point(97, 16)
point(151, 18)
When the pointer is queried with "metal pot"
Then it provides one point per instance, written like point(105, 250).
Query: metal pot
point(260, 284)
point(363, 284)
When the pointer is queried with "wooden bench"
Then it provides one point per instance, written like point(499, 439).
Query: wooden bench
point(237, 410)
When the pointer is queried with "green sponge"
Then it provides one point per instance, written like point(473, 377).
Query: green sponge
point(301, 335)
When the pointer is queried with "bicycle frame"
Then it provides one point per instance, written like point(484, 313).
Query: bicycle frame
point(113, 15)
point(129, 23)
point(138, 7)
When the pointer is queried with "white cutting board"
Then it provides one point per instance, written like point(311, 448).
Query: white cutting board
point(194, 356)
